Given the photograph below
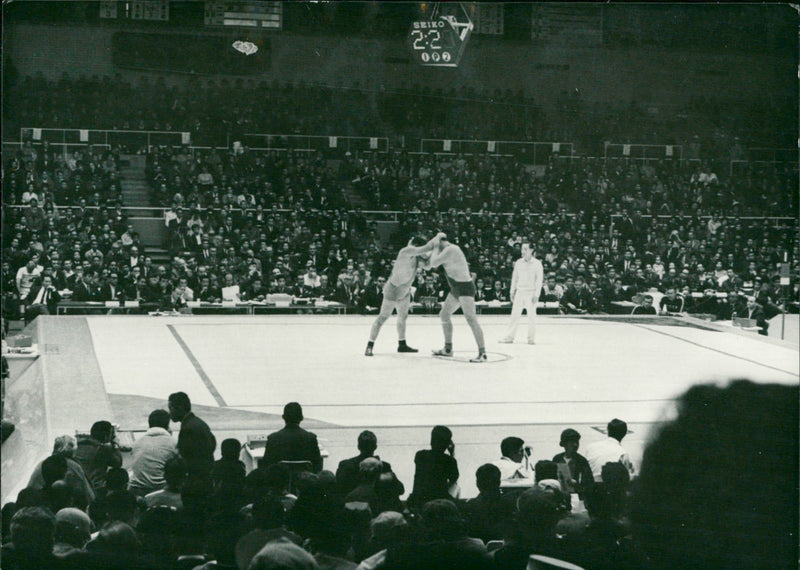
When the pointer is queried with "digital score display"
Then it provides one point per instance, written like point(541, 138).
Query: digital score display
point(439, 42)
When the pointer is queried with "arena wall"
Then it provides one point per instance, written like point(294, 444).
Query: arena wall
point(617, 76)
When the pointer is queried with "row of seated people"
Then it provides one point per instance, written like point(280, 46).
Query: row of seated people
point(480, 183)
point(508, 184)
point(87, 175)
point(176, 506)
point(218, 108)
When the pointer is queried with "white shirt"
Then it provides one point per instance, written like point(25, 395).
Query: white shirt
point(527, 275)
point(608, 450)
point(25, 279)
point(510, 469)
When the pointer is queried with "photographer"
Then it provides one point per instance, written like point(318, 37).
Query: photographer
point(98, 452)
point(42, 299)
point(514, 463)
point(436, 473)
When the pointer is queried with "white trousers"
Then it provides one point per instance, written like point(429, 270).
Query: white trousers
point(523, 299)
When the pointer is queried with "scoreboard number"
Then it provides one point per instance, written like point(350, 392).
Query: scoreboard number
point(439, 42)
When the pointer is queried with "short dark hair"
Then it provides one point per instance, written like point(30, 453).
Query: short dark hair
point(545, 469)
point(418, 241)
point(102, 430)
point(32, 530)
point(180, 400)
point(487, 477)
point(54, 468)
point(175, 471)
point(230, 448)
point(441, 438)
point(158, 418)
point(117, 479)
point(617, 429)
point(293, 413)
point(367, 442)
point(510, 445)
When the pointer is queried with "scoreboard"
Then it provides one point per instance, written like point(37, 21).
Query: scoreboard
point(244, 14)
point(439, 42)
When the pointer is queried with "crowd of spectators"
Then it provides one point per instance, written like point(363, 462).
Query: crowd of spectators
point(212, 109)
point(269, 222)
point(173, 505)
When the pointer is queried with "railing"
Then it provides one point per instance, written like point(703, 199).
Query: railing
point(311, 143)
point(538, 152)
point(643, 152)
point(106, 137)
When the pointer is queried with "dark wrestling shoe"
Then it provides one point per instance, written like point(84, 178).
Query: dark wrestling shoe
point(406, 348)
point(480, 358)
point(442, 352)
point(368, 352)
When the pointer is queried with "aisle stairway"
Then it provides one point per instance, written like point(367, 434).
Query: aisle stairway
point(136, 194)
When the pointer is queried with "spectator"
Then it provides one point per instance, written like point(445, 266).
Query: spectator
point(514, 463)
point(538, 511)
point(228, 475)
point(609, 450)
point(490, 515)
point(83, 491)
point(347, 473)
point(31, 541)
point(150, 454)
point(283, 555)
point(646, 307)
point(293, 443)
point(196, 443)
point(72, 531)
point(436, 472)
point(97, 453)
point(755, 312)
point(577, 477)
point(42, 299)
point(749, 521)
point(175, 475)
point(443, 543)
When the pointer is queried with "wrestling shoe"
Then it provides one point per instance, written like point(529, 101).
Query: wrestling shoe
point(406, 348)
point(368, 352)
point(506, 341)
point(480, 358)
point(442, 352)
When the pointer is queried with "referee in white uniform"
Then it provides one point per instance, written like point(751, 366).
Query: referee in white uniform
point(526, 285)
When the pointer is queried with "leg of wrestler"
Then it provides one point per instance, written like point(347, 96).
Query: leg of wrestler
point(402, 316)
point(468, 306)
point(386, 311)
point(449, 307)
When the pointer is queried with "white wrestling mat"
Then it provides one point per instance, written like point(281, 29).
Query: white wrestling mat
point(580, 371)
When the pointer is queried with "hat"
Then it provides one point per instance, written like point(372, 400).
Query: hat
point(569, 434)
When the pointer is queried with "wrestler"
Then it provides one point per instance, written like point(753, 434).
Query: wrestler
point(462, 294)
point(397, 291)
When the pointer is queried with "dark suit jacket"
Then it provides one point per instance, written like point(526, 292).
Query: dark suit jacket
point(347, 474)
point(196, 444)
point(52, 301)
point(293, 443)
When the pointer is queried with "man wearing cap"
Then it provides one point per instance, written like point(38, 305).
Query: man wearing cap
point(293, 443)
point(397, 291)
point(577, 474)
point(526, 286)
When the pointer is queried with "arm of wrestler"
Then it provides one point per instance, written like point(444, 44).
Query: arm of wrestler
point(434, 241)
point(440, 257)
